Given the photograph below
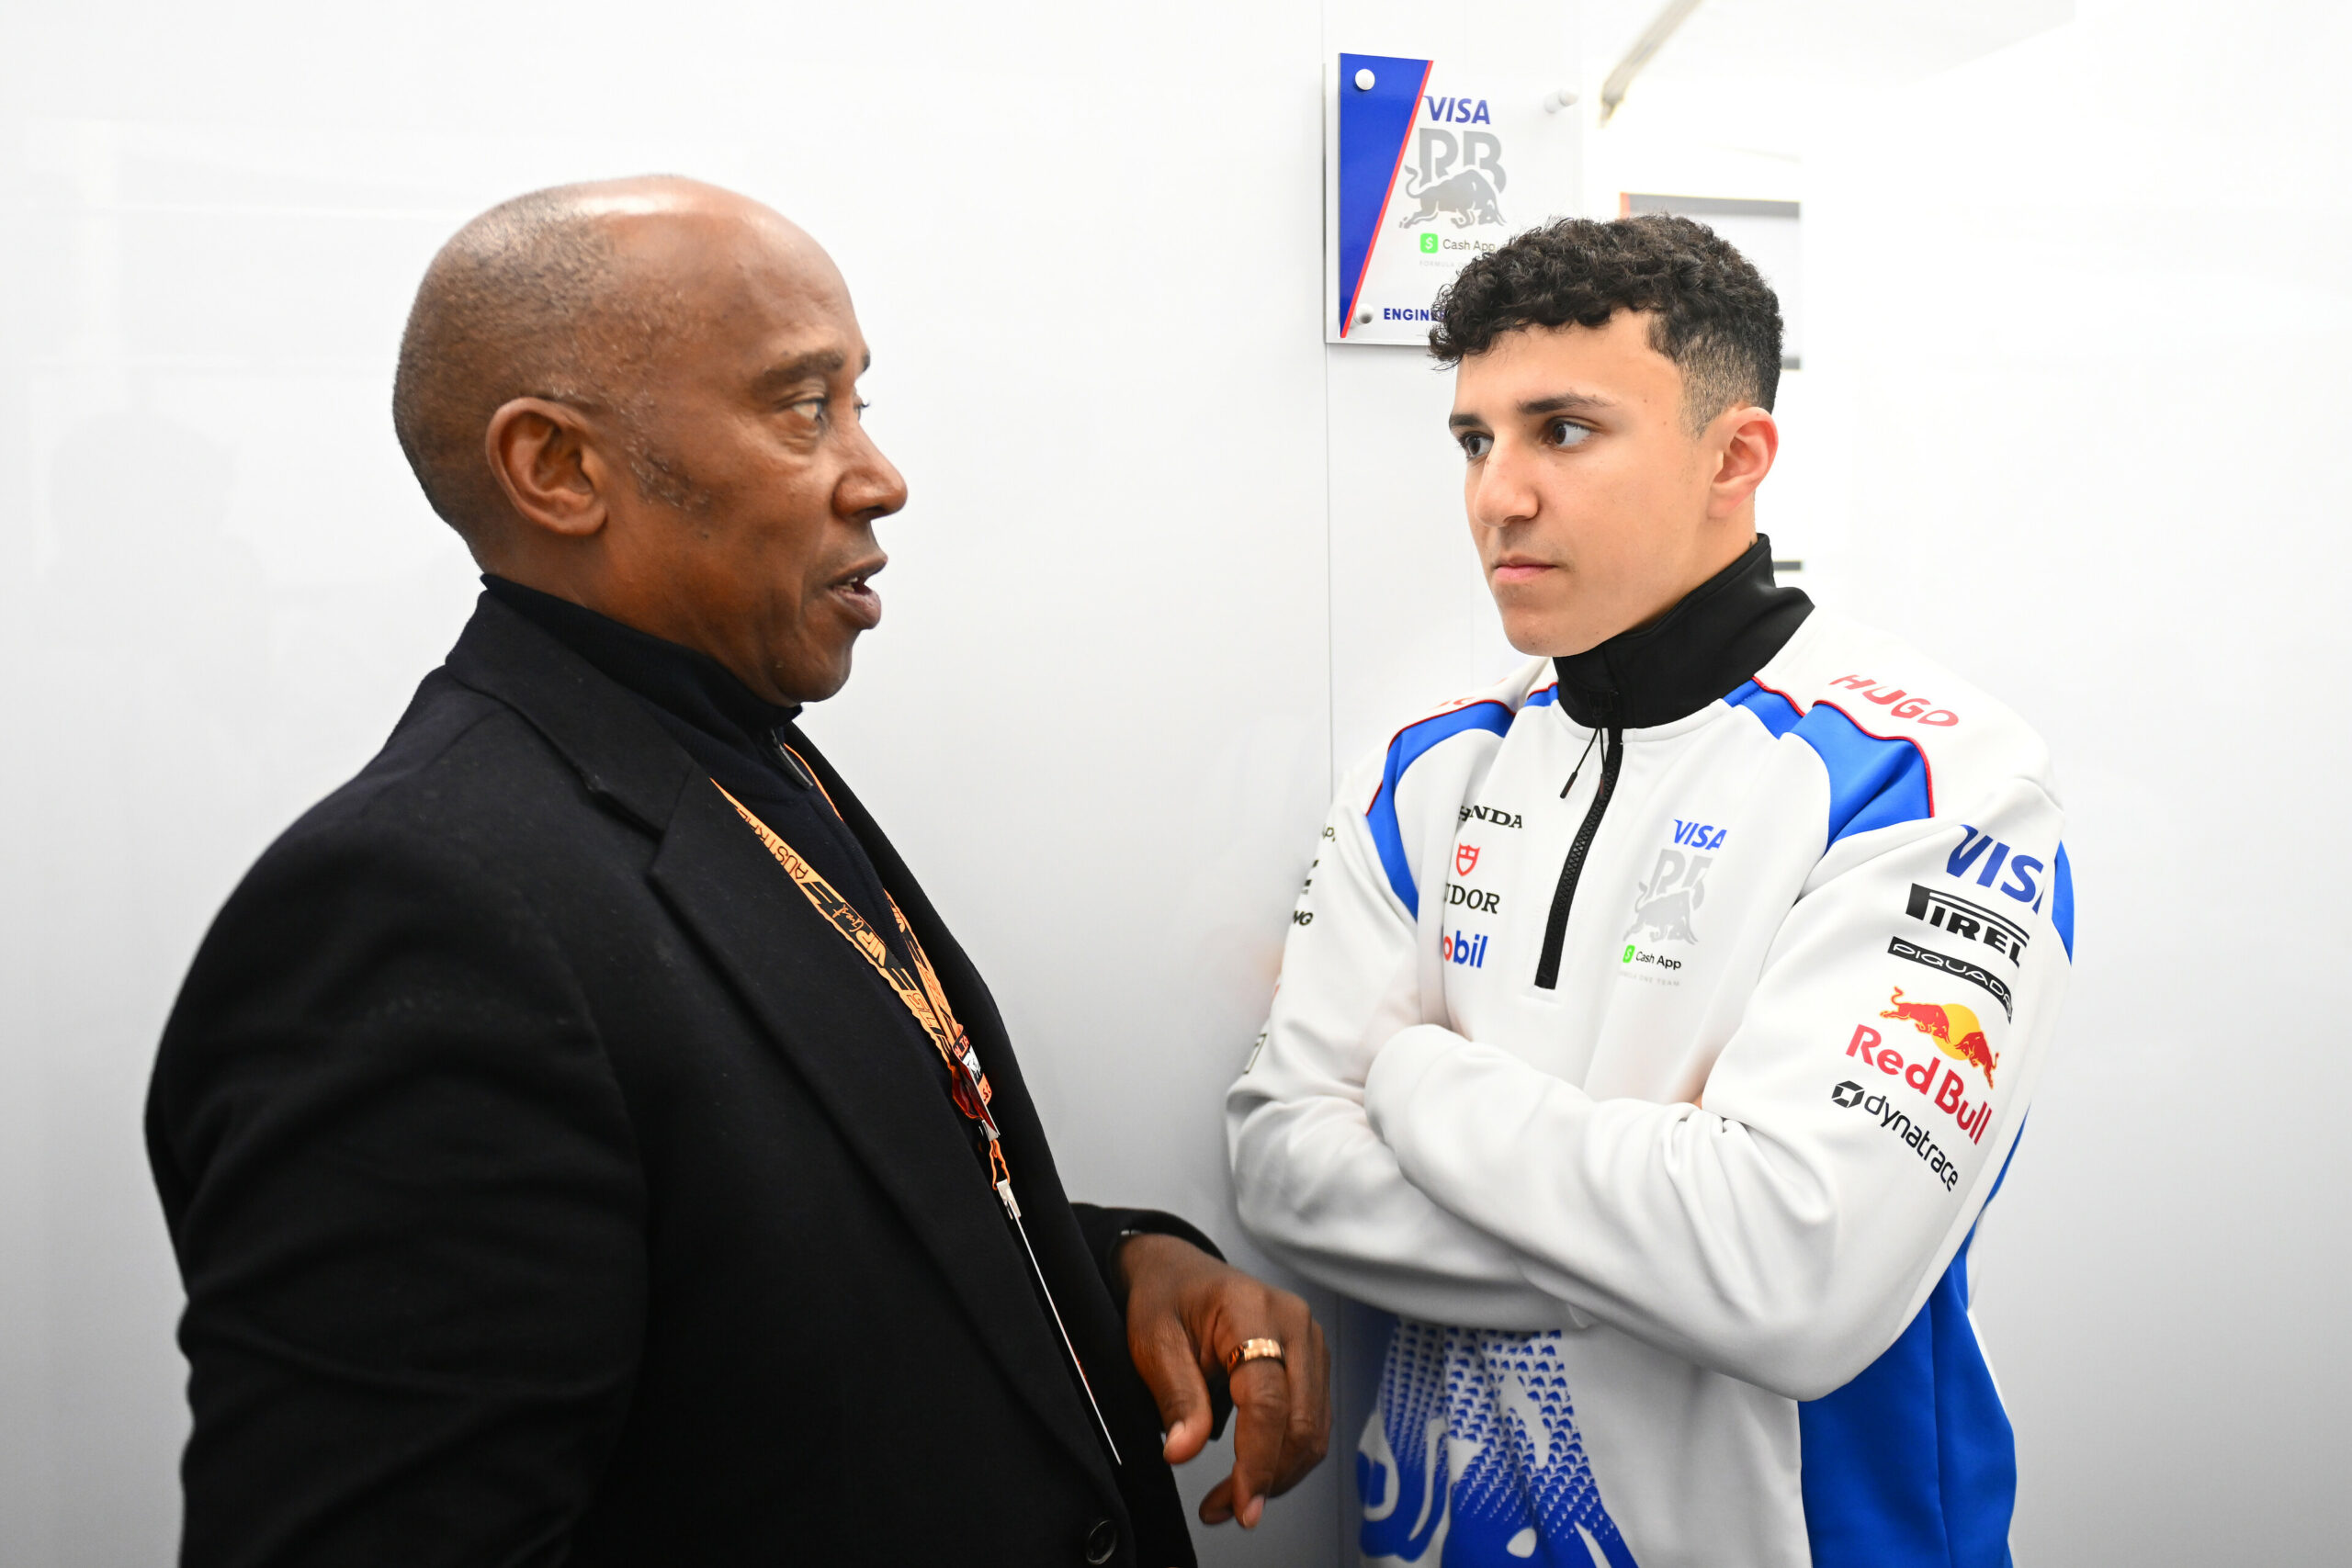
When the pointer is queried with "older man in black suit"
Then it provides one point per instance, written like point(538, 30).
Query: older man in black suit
point(582, 1141)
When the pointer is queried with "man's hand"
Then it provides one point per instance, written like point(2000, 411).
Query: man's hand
point(1186, 1313)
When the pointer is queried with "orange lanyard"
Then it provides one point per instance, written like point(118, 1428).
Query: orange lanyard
point(921, 994)
point(917, 990)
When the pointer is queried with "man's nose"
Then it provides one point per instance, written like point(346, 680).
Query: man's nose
point(872, 486)
point(1499, 491)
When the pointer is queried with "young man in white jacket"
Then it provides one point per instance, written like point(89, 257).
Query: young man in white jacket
point(1655, 1023)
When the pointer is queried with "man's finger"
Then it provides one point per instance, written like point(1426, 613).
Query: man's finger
point(1308, 1365)
point(1218, 1507)
point(1260, 1419)
point(1163, 1354)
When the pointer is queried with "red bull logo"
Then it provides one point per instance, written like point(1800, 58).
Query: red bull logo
point(1954, 1029)
point(1931, 1080)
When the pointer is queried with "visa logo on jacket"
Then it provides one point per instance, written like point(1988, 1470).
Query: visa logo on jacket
point(1988, 854)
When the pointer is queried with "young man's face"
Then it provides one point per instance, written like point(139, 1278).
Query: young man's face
point(1594, 506)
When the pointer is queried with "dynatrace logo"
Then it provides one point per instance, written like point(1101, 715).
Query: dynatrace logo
point(1463, 948)
point(1893, 1119)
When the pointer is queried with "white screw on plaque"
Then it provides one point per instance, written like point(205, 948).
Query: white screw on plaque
point(1559, 99)
point(1364, 79)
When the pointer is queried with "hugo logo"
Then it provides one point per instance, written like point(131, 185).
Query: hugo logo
point(1898, 703)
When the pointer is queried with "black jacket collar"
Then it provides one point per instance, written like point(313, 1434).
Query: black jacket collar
point(692, 686)
point(1722, 632)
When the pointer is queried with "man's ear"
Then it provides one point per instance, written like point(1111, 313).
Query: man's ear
point(1748, 440)
point(546, 459)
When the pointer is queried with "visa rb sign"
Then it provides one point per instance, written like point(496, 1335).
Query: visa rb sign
point(1427, 164)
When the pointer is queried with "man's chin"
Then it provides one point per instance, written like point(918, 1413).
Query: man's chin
point(1545, 636)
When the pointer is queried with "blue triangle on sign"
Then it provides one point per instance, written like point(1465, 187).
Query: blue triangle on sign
point(1374, 125)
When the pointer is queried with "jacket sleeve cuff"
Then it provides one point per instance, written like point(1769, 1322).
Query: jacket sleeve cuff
point(1105, 1229)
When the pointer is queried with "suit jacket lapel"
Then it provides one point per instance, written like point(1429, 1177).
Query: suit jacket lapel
point(1094, 1321)
point(833, 1019)
point(851, 1041)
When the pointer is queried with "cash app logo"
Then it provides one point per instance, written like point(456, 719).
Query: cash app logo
point(1428, 244)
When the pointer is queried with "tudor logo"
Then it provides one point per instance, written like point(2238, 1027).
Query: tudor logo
point(1474, 898)
point(1466, 859)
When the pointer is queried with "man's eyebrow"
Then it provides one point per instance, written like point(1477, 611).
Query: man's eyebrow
point(1568, 402)
point(811, 366)
point(1558, 402)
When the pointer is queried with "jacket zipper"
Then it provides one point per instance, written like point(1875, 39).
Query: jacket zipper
point(1556, 925)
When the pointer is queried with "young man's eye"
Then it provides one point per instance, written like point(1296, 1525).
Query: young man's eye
point(1476, 444)
point(1566, 433)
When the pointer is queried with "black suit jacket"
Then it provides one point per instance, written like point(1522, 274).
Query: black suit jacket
point(553, 1185)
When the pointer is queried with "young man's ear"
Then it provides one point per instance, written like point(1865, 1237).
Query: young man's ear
point(545, 460)
point(1749, 439)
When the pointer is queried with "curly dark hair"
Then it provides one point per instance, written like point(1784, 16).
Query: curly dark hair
point(1716, 318)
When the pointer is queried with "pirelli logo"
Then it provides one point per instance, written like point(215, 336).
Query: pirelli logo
point(1956, 917)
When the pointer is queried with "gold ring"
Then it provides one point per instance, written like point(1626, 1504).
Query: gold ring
point(1253, 1351)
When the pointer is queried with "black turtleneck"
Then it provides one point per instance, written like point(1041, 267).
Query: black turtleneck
point(735, 736)
point(1722, 632)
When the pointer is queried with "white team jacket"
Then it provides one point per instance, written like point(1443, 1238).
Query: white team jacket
point(1678, 1243)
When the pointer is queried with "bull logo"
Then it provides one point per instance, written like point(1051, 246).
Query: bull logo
point(1663, 905)
point(1470, 195)
point(1954, 1029)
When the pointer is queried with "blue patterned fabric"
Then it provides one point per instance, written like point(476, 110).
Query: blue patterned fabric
point(1473, 1459)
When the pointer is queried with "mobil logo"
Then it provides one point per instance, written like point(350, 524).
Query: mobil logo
point(1898, 703)
point(1463, 948)
point(1986, 856)
point(1953, 1028)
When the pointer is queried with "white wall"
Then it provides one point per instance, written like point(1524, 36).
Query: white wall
point(1084, 246)
point(2075, 313)
point(1099, 717)
point(2081, 314)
